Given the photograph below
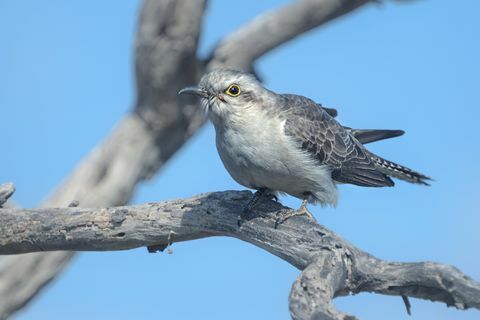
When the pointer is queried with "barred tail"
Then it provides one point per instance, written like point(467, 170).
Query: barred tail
point(397, 171)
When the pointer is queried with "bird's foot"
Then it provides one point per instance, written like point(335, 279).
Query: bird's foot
point(247, 212)
point(302, 211)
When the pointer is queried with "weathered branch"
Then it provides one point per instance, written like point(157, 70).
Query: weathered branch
point(140, 144)
point(144, 140)
point(38, 269)
point(269, 31)
point(346, 270)
point(424, 280)
point(312, 293)
point(331, 266)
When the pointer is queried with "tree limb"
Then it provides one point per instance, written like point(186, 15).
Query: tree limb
point(331, 266)
point(140, 144)
point(312, 293)
point(268, 31)
point(37, 268)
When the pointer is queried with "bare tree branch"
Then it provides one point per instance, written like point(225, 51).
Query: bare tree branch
point(38, 269)
point(346, 270)
point(243, 47)
point(422, 280)
point(167, 40)
point(166, 45)
point(312, 293)
point(331, 266)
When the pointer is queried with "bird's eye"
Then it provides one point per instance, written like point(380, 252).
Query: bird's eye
point(233, 90)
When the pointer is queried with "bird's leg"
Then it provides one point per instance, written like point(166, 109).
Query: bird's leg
point(303, 210)
point(257, 196)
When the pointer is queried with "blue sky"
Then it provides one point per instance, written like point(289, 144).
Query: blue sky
point(66, 79)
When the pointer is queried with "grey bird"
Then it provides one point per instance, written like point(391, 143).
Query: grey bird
point(285, 143)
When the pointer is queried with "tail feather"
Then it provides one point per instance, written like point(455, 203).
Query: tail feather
point(400, 172)
point(371, 135)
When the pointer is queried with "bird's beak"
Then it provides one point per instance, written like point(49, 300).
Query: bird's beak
point(197, 91)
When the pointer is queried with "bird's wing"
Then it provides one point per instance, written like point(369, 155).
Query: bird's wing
point(332, 112)
point(363, 135)
point(320, 135)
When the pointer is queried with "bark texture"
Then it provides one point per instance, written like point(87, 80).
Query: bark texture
point(331, 266)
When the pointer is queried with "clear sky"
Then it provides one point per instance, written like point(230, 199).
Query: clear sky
point(66, 79)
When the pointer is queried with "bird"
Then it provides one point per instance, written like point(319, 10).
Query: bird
point(286, 143)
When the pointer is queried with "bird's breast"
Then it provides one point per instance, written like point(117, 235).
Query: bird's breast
point(257, 153)
point(252, 152)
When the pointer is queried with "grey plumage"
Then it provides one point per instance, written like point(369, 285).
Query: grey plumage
point(363, 135)
point(288, 143)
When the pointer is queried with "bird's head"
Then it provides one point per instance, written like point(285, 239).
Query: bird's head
point(226, 92)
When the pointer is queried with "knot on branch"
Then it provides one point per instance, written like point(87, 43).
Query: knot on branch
point(325, 278)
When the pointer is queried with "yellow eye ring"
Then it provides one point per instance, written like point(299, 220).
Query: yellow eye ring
point(233, 90)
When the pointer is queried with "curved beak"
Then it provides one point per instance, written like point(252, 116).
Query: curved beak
point(197, 91)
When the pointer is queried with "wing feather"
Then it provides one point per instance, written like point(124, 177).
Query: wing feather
point(318, 133)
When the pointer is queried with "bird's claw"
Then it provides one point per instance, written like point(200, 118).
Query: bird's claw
point(260, 195)
point(302, 211)
point(247, 211)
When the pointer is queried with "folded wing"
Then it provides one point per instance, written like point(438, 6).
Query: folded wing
point(316, 132)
